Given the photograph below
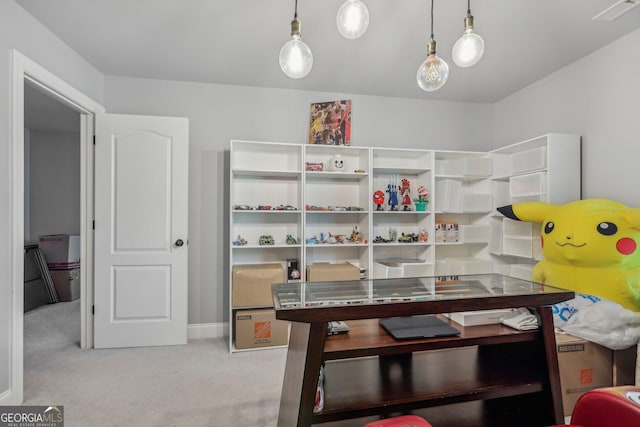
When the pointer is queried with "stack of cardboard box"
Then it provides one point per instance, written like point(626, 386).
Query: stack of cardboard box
point(255, 323)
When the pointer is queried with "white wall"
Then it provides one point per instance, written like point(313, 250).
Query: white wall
point(597, 97)
point(576, 99)
point(54, 190)
point(218, 113)
point(19, 30)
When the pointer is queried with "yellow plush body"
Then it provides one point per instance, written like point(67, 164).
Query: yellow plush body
point(589, 246)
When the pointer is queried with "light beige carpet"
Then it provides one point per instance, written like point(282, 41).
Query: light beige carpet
point(198, 384)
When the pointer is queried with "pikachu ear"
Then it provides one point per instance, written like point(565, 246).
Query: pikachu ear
point(528, 211)
point(633, 216)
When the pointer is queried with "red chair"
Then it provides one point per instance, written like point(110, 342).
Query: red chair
point(607, 407)
point(403, 421)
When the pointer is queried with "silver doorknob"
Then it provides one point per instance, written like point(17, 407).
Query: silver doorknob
point(179, 242)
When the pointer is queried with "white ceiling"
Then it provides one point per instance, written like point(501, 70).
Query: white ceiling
point(237, 41)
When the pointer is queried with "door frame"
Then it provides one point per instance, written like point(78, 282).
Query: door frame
point(24, 70)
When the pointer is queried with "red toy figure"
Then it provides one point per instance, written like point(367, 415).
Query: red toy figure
point(378, 199)
point(405, 189)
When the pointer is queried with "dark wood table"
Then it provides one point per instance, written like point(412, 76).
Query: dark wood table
point(489, 375)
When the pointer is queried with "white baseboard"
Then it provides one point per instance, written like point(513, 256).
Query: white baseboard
point(207, 330)
point(7, 398)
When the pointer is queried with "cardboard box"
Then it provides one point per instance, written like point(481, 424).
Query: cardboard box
point(326, 272)
point(585, 365)
point(260, 328)
point(67, 283)
point(61, 251)
point(480, 317)
point(447, 232)
point(252, 284)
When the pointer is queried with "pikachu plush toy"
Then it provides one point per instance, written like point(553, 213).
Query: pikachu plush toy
point(589, 246)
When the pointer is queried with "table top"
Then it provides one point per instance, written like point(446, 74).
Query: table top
point(372, 298)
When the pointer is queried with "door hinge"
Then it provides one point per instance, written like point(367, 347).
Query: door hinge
point(93, 309)
point(94, 140)
point(93, 224)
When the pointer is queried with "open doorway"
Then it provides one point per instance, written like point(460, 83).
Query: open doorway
point(52, 206)
point(25, 70)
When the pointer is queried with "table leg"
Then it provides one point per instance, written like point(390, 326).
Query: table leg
point(549, 337)
point(306, 345)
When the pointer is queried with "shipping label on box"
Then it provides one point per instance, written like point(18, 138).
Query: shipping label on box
point(259, 328)
point(61, 251)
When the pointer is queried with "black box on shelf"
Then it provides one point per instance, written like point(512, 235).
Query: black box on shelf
point(293, 270)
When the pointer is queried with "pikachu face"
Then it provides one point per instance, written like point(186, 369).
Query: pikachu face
point(593, 233)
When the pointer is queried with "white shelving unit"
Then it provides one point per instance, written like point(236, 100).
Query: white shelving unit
point(545, 169)
point(464, 232)
point(336, 201)
point(463, 203)
point(266, 175)
point(396, 258)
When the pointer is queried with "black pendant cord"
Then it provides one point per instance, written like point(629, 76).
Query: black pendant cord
point(431, 19)
point(295, 13)
point(468, 7)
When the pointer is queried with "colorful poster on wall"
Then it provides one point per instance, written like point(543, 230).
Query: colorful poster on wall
point(330, 123)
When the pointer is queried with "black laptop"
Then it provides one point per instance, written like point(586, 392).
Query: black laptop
point(412, 327)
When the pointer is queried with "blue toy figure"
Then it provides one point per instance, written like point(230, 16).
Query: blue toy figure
point(392, 189)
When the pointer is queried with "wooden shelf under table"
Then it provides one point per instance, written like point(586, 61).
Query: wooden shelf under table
point(364, 386)
point(367, 338)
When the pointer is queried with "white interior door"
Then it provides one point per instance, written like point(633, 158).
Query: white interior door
point(141, 189)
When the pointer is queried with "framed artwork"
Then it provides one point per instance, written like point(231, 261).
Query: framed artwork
point(330, 123)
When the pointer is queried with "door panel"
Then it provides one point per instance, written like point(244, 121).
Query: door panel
point(141, 210)
point(142, 163)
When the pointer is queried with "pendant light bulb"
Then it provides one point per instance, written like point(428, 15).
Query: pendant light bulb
point(433, 72)
point(469, 48)
point(296, 58)
point(352, 19)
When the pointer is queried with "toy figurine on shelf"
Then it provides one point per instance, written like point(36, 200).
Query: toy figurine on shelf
point(239, 241)
point(378, 199)
point(423, 236)
point(405, 190)
point(266, 240)
point(356, 237)
point(393, 234)
point(392, 189)
point(422, 199)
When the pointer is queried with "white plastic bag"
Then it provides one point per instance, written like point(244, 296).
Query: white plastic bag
point(600, 321)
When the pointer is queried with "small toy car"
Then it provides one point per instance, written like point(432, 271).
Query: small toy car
point(266, 240)
point(408, 238)
point(316, 167)
point(239, 241)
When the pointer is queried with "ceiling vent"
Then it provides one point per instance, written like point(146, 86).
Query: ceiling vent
point(616, 10)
